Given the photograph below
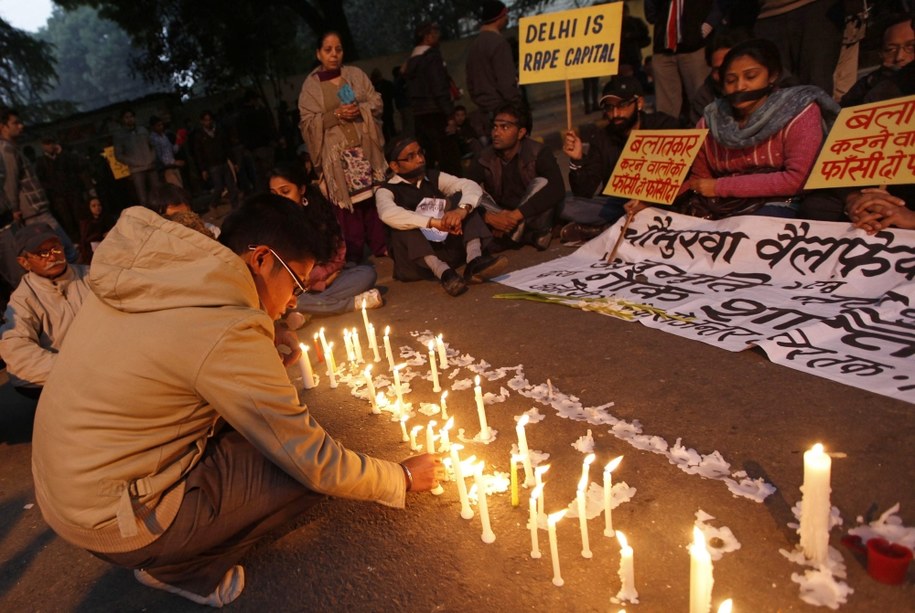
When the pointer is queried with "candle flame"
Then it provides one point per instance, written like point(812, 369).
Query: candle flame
point(698, 538)
point(381, 400)
point(303, 347)
point(439, 337)
point(541, 469)
point(553, 518)
point(537, 491)
point(416, 430)
point(387, 330)
point(316, 336)
point(330, 345)
point(444, 395)
point(589, 459)
point(817, 449)
point(456, 447)
point(622, 539)
point(516, 458)
point(612, 464)
point(431, 424)
point(523, 420)
point(431, 347)
point(368, 370)
point(476, 380)
point(726, 606)
point(404, 418)
point(449, 424)
point(469, 462)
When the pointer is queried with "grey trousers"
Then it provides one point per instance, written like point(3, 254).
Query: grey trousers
point(233, 498)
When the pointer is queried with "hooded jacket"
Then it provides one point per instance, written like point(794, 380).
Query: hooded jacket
point(171, 343)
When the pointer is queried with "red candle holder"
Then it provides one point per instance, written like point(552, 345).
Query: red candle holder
point(887, 562)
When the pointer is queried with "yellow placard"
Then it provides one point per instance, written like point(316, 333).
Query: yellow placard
point(118, 169)
point(654, 164)
point(871, 144)
point(570, 44)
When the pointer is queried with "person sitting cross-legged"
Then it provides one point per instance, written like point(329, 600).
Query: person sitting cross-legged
point(429, 235)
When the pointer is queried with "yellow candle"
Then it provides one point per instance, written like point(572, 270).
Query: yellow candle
point(626, 572)
point(700, 575)
point(442, 355)
point(533, 521)
point(387, 347)
point(435, 386)
point(608, 494)
point(583, 517)
point(524, 451)
point(815, 505)
point(514, 480)
point(481, 410)
point(331, 365)
point(308, 377)
point(487, 536)
point(554, 549)
point(466, 511)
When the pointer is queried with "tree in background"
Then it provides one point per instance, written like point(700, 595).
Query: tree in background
point(26, 72)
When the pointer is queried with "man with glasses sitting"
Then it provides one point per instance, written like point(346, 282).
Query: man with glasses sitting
point(41, 309)
point(588, 212)
point(897, 51)
point(168, 438)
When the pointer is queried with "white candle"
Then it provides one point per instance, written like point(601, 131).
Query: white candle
point(397, 389)
point(524, 451)
point(466, 511)
point(413, 444)
point(487, 536)
point(586, 469)
point(533, 521)
point(583, 517)
point(538, 479)
point(365, 322)
point(331, 365)
point(444, 440)
point(370, 388)
point(608, 495)
point(323, 341)
point(387, 347)
point(627, 574)
point(444, 406)
point(815, 506)
point(554, 549)
point(357, 346)
point(308, 376)
point(348, 345)
point(549, 389)
point(700, 575)
point(430, 437)
point(726, 606)
point(481, 410)
point(373, 342)
point(435, 386)
point(442, 355)
point(403, 429)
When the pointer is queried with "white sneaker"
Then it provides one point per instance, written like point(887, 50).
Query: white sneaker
point(296, 320)
point(230, 588)
point(372, 299)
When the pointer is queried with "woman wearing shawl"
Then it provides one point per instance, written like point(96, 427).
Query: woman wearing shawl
point(339, 108)
point(762, 143)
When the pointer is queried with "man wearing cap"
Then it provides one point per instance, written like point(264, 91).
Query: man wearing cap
point(435, 226)
point(492, 78)
point(41, 309)
point(589, 212)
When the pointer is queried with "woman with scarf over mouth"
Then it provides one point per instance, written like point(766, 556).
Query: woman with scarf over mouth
point(340, 115)
point(762, 142)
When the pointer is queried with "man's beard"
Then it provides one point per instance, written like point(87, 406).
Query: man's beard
point(623, 127)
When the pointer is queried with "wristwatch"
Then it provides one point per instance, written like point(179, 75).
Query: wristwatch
point(466, 206)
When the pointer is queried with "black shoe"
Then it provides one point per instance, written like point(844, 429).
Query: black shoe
point(542, 241)
point(576, 234)
point(484, 267)
point(453, 283)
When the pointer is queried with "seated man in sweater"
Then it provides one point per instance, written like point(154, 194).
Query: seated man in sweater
point(588, 212)
point(168, 438)
point(430, 234)
point(41, 308)
point(523, 183)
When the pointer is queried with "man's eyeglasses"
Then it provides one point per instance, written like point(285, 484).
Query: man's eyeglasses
point(300, 287)
point(45, 254)
point(619, 106)
point(892, 50)
point(411, 157)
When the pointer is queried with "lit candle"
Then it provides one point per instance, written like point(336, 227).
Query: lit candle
point(700, 575)
point(538, 478)
point(397, 389)
point(627, 574)
point(583, 517)
point(403, 428)
point(726, 606)
point(514, 480)
point(815, 507)
point(444, 405)
point(308, 377)
point(532, 520)
point(586, 469)
point(435, 386)
point(365, 322)
point(466, 511)
point(442, 355)
point(357, 346)
point(348, 345)
point(331, 365)
point(387, 347)
point(481, 410)
point(430, 437)
point(444, 441)
point(413, 444)
point(608, 494)
point(524, 451)
point(373, 342)
point(487, 536)
point(323, 340)
point(370, 387)
point(554, 549)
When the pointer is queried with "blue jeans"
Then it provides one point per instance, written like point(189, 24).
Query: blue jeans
point(339, 296)
point(598, 211)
